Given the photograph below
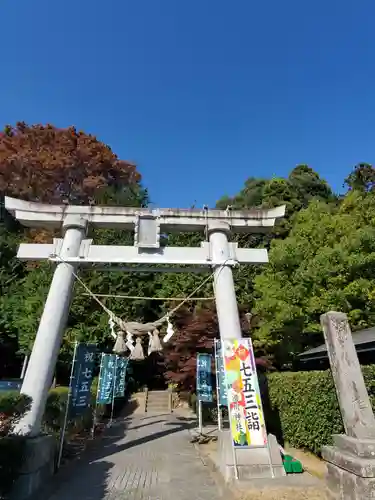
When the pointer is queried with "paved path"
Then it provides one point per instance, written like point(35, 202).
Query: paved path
point(148, 458)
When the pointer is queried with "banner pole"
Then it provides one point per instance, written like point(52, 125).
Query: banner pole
point(200, 420)
point(113, 392)
point(24, 366)
point(235, 462)
point(96, 399)
point(270, 459)
point(67, 407)
point(217, 390)
point(261, 409)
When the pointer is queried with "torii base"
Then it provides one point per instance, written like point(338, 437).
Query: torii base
point(38, 468)
point(251, 463)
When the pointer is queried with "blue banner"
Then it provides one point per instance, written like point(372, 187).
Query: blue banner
point(106, 379)
point(121, 366)
point(81, 380)
point(222, 386)
point(204, 382)
point(10, 385)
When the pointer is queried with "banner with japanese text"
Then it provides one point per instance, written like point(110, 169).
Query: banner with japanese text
point(244, 399)
point(82, 376)
point(121, 367)
point(204, 380)
point(106, 379)
point(222, 387)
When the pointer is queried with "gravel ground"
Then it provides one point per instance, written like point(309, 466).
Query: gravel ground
point(285, 494)
point(296, 491)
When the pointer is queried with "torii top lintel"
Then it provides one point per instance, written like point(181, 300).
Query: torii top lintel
point(33, 214)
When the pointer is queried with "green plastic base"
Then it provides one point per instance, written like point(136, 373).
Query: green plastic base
point(291, 465)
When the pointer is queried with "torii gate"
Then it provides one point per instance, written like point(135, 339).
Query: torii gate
point(76, 251)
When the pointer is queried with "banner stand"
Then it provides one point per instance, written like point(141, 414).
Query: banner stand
point(24, 366)
point(270, 460)
point(235, 463)
point(204, 384)
point(254, 376)
point(112, 382)
point(200, 419)
point(219, 418)
point(113, 392)
point(219, 415)
point(94, 418)
point(62, 437)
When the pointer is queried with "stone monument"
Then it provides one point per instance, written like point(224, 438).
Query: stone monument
point(351, 460)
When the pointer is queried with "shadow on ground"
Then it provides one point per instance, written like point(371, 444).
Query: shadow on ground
point(117, 431)
point(95, 489)
point(95, 463)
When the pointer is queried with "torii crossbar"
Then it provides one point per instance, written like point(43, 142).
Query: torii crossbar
point(75, 250)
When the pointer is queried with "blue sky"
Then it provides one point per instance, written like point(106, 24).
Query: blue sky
point(200, 94)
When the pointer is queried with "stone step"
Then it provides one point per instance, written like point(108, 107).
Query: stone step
point(157, 410)
point(158, 402)
point(157, 407)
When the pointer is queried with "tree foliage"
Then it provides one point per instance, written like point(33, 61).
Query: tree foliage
point(52, 165)
point(326, 263)
point(296, 191)
point(12, 271)
point(362, 178)
point(47, 164)
point(196, 331)
point(321, 254)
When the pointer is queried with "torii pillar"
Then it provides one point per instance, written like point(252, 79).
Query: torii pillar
point(76, 251)
point(225, 294)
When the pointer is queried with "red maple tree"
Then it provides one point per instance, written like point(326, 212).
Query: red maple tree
point(195, 333)
point(53, 165)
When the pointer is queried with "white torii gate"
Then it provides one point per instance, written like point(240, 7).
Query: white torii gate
point(77, 251)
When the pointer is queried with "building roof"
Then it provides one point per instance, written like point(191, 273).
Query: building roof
point(364, 340)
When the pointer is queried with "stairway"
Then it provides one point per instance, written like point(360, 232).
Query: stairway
point(158, 402)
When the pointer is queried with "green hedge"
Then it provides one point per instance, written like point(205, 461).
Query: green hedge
point(305, 403)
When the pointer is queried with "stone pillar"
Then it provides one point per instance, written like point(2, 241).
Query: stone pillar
point(41, 367)
point(225, 294)
point(351, 461)
point(250, 463)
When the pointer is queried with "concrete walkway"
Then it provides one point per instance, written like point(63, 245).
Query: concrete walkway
point(148, 458)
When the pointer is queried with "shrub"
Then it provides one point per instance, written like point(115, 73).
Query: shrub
point(209, 410)
point(12, 407)
point(54, 415)
point(307, 407)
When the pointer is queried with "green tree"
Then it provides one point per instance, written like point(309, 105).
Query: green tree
point(44, 163)
point(362, 178)
point(327, 262)
point(24, 302)
point(11, 270)
point(296, 191)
